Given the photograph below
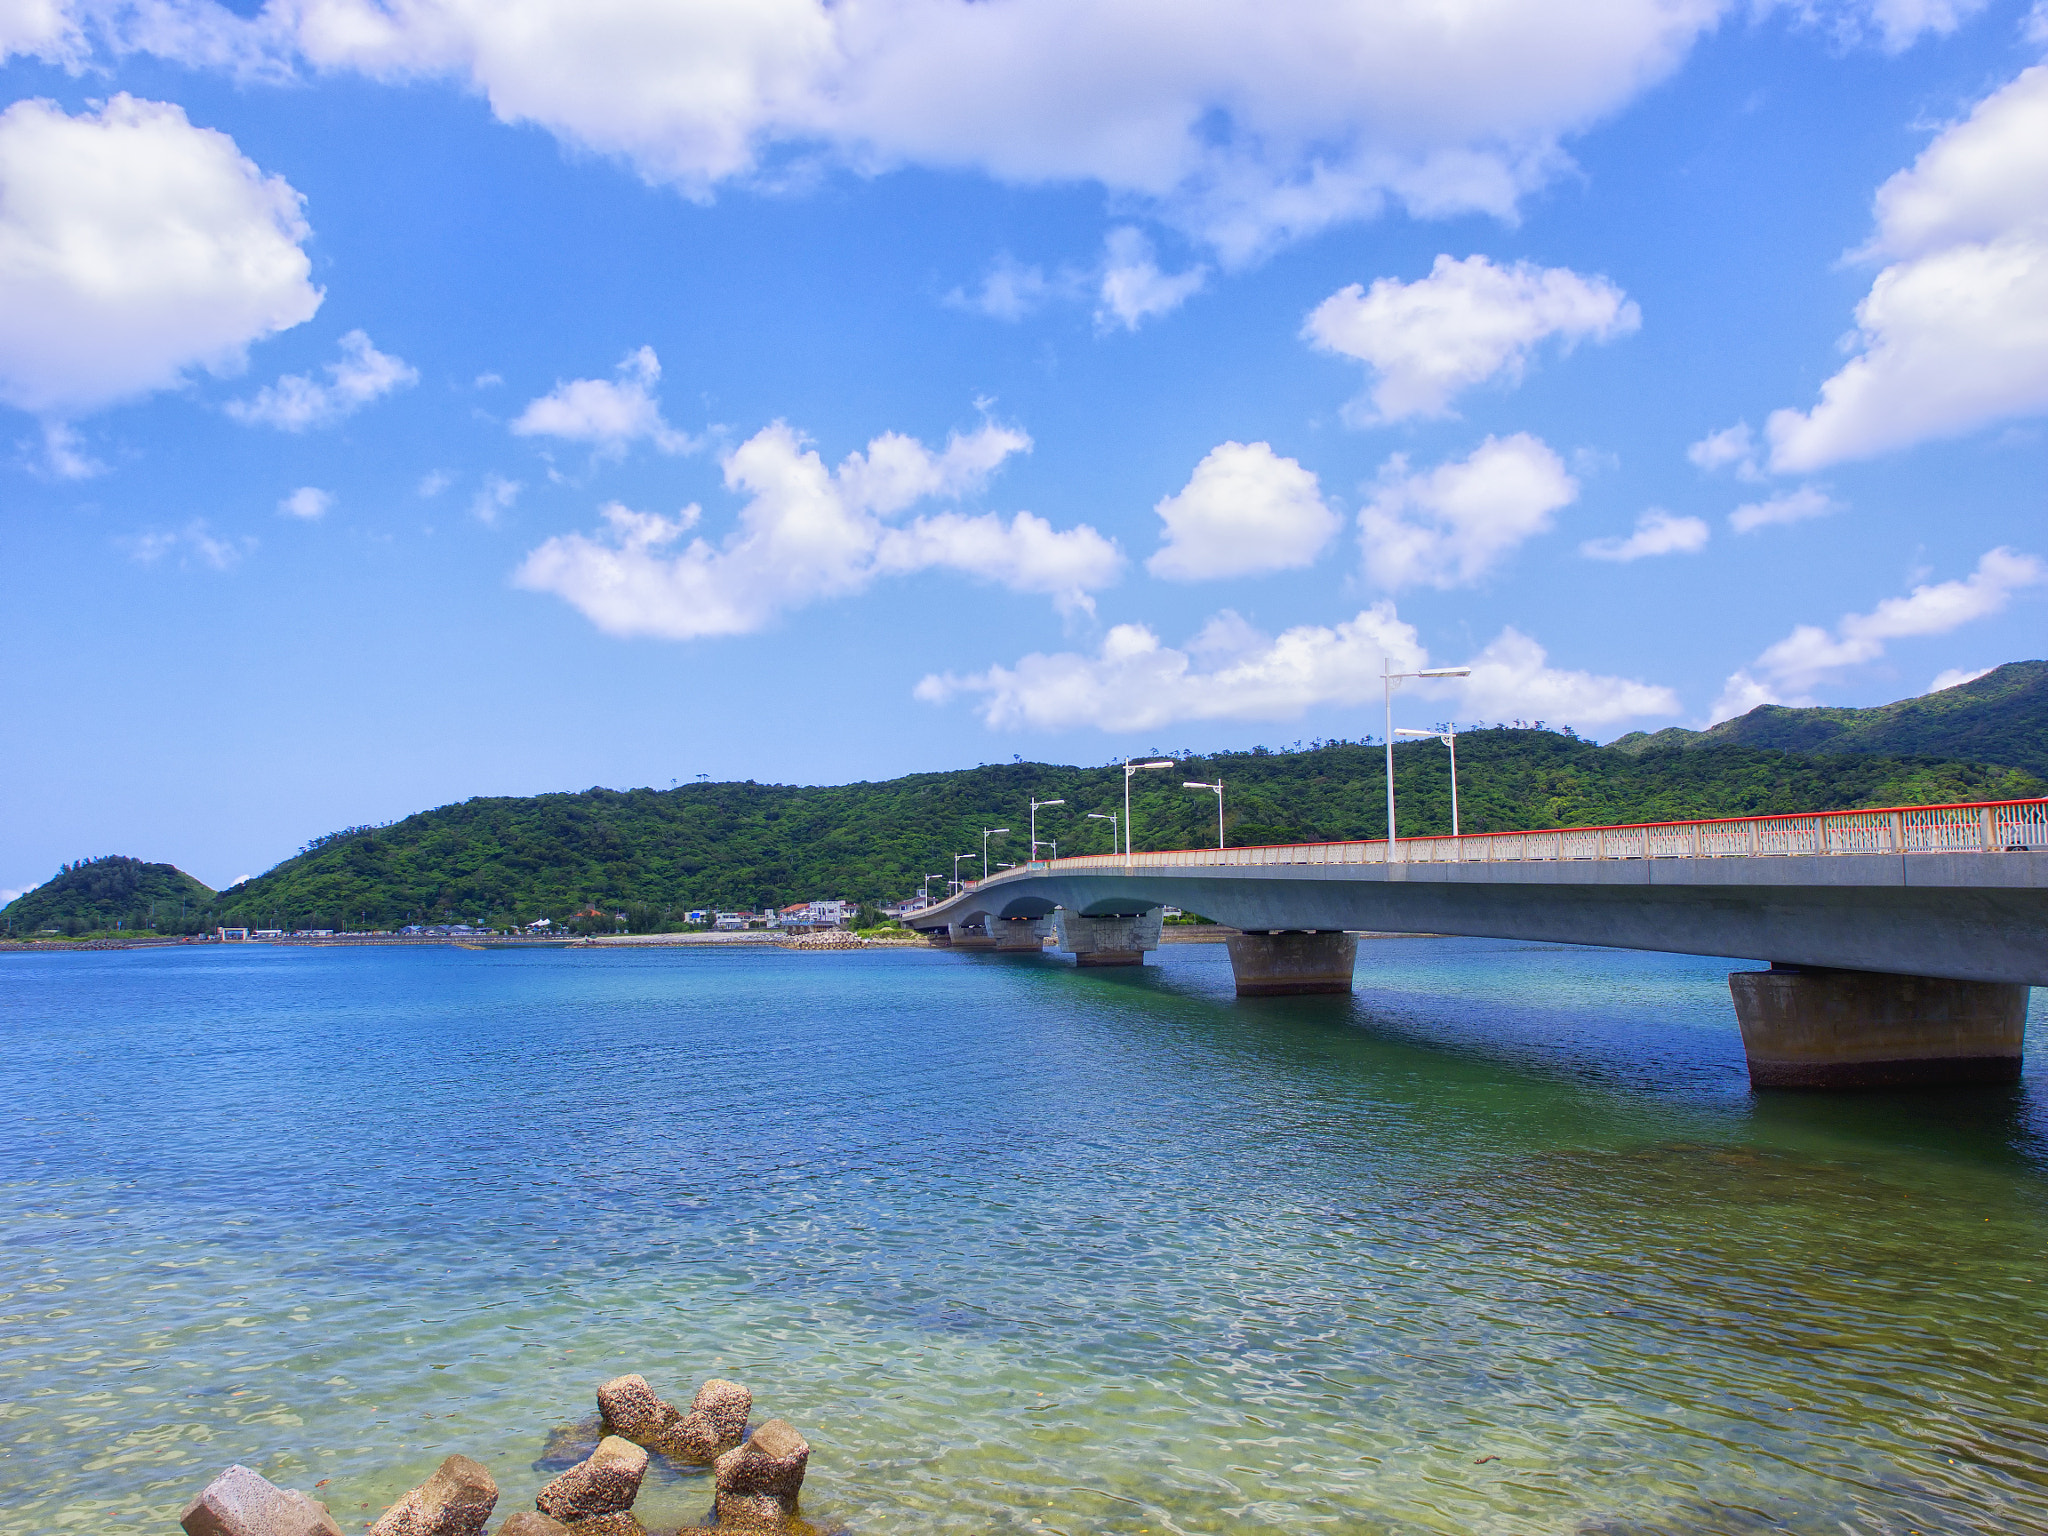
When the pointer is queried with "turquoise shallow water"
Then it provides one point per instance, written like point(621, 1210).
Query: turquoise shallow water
point(1501, 1244)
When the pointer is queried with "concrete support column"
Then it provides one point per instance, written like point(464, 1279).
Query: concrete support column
point(975, 937)
point(939, 938)
point(1811, 1028)
point(1020, 935)
point(1119, 940)
point(1292, 964)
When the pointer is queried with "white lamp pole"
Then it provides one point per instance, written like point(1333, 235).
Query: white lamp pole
point(1393, 679)
point(956, 868)
point(1034, 822)
point(1129, 769)
point(1110, 817)
point(1218, 787)
point(1449, 737)
point(925, 888)
point(986, 834)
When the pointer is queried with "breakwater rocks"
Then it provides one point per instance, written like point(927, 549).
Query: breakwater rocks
point(757, 1478)
point(839, 938)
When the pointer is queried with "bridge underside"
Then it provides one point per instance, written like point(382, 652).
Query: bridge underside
point(1887, 970)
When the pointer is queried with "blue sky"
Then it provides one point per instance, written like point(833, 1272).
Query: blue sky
point(404, 404)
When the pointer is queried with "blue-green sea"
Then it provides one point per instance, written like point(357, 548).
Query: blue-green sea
point(1501, 1244)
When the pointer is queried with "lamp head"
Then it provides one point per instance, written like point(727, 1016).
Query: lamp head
point(1445, 672)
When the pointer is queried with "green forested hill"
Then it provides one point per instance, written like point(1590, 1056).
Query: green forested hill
point(109, 892)
point(2001, 717)
point(659, 852)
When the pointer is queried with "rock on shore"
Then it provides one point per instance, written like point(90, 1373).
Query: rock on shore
point(244, 1503)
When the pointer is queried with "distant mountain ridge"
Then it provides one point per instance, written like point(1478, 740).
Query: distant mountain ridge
point(2000, 718)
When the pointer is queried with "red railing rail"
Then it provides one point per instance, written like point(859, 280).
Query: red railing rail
point(1981, 826)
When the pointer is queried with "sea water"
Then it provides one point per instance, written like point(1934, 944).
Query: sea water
point(1501, 1244)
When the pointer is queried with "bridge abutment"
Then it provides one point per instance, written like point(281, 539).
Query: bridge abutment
point(1805, 1027)
point(1116, 940)
point(1292, 964)
point(970, 936)
point(1019, 935)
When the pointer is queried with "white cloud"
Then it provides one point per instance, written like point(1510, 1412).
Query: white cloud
point(64, 455)
point(308, 502)
point(1786, 672)
point(434, 482)
point(1657, 533)
point(44, 29)
point(1230, 671)
point(133, 247)
point(1731, 445)
point(808, 533)
point(494, 498)
point(298, 400)
point(1451, 525)
point(1133, 289)
point(1467, 322)
point(1955, 677)
point(1244, 511)
point(196, 541)
point(1245, 122)
point(610, 416)
point(1954, 333)
point(1010, 291)
point(1786, 507)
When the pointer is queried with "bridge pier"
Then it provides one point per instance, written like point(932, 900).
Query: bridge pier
point(1019, 935)
point(1292, 964)
point(1116, 940)
point(975, 937)
point(1806, 1027)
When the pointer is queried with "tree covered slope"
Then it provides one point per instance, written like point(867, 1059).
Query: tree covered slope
point(2001, 717)
point(105, 893)
point(752, 845)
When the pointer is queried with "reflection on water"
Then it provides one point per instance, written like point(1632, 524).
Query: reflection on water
point(1501, 1244)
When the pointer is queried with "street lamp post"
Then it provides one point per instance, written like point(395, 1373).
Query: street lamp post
point(986, 834)
point(1110, 817)
point(1449, 737)
point(1218, 787)
point(955, 881)
point(1131, 768)
point(1393, 680)
point(1035, 805)
point(924, 887)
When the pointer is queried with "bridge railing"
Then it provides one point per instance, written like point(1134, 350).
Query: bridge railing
point(1981, 827)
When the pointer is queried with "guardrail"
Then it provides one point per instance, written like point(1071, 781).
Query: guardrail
point(1990, 826)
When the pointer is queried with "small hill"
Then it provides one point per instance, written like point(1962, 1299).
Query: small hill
point(2001, 717)
point(656, 853)
point(109, 892)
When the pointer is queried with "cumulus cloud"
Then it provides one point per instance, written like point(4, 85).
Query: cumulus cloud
point(1786, 507)
point(1467, 322)
point(1450, 526)
point(1243, 122)
point(1955, 677)
point(610, 415)
point(298, 400)
point(1731, 445)
point(133, 248)
point(493, 498)
point(807, 533)
point(308, 503)
point(1953, 334)
point(1009, 290)
point(1787, 672)
point(1134, 289)
point(65, 456)
point(1657, 532)
point(1231, 671)
point(44, 29)
point(1244, 511)
point(194, 543)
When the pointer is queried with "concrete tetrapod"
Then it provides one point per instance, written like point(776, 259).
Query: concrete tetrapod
point(244, 1503)
point(456, 1501)
point(758, 1482)
point(605, 1483)
point(634, 1411)
point(716, 1422)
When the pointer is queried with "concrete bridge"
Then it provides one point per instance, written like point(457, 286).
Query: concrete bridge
point(1901, 942)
